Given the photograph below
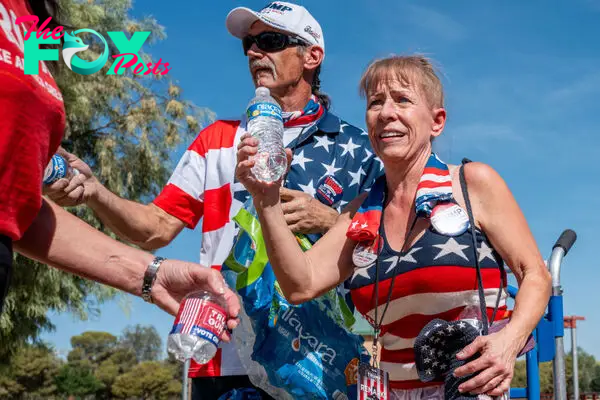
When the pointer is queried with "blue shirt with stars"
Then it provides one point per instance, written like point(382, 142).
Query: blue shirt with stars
point(333, 162)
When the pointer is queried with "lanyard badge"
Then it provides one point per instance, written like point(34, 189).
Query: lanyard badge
point(373, 383)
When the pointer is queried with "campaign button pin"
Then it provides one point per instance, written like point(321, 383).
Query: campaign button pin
point(449, 219)
point(364, 254)
point(329, 190)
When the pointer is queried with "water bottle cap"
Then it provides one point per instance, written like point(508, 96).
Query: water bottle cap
point(262, 91)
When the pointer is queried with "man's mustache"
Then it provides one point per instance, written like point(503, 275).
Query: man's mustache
point(256, 64)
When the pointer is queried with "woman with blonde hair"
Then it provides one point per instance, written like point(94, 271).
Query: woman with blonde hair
point(427, 243)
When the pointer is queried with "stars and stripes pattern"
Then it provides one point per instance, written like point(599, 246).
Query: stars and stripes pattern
point(374, 384)
point(188, 315)
point(437, 345)
point(365, 223)
point(203, 186)
point(435, 278)
point(434, 186)
point(200, 318)
point(311, 113)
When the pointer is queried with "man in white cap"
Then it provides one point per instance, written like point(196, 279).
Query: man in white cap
point(333, 163)
point(267, 34)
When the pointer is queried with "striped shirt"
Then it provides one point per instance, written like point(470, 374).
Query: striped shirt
point(435, 278)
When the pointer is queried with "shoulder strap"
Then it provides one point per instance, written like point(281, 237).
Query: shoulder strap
point(482, 302)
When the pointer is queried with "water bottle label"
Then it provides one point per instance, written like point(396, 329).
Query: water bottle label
point(56, 169)
point(264, 110)
point(198, 317)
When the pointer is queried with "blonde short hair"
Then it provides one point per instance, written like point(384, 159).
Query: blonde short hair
point(410, 70)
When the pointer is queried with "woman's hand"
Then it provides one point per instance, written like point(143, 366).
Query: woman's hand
point(495, 364)
point(176, 279)
point(74, 190)
point(266, 193)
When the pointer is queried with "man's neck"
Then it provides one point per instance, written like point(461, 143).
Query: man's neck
point(294, 98)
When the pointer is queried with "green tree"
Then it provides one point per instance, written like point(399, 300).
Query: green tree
point(124, 127)
point(31, 372)
point(595, 383)
point(520, 377)
point(586, 364)
point(588, 370)
point(77, 381)
point(94, 363)
point(148, 380)
point(9, 388)
point(120, 362)
point(175, 365)
point(546, 378)
point(144, 341)
point(91, 348)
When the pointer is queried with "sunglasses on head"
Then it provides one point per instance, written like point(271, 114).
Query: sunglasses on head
point(271, 41)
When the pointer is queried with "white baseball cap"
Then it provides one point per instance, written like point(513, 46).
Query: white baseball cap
point(287, 17)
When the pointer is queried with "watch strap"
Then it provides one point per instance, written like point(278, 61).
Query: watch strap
point(150, 277)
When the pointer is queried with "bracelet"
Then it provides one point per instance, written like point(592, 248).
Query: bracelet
point(150, 277)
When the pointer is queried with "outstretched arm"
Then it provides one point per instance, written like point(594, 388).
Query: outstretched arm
point(61, 240)
point(301, 275)
point(145, 225)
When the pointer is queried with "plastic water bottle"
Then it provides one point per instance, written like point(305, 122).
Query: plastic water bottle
point(198, 326)
point(58, 168)
point(472, 315)
point(266, 123)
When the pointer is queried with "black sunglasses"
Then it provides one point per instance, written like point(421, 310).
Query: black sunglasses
point(271, 41)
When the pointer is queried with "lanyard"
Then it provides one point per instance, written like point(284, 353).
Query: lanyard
point(377, 325)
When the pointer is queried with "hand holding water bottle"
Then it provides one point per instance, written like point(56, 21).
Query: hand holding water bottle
point(198, 327)
point(258, 188)
point(265, 123)
point(67, 179)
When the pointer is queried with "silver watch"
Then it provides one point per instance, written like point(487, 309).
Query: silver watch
point(150, 277)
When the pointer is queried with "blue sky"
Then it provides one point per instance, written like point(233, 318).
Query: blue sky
point(521, 82)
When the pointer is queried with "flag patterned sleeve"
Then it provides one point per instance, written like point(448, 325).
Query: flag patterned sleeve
point(183, 195)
